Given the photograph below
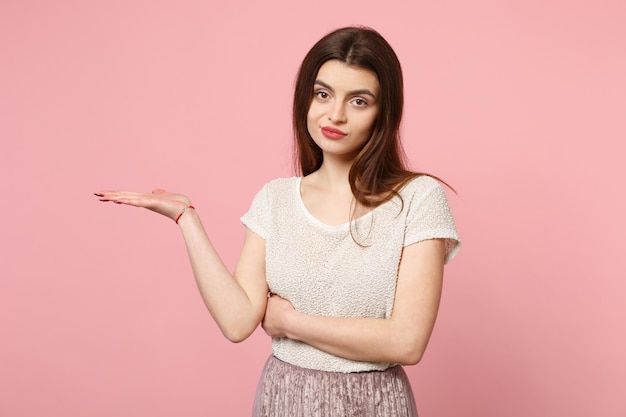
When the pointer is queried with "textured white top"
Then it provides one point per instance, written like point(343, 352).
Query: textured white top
point(321, 270)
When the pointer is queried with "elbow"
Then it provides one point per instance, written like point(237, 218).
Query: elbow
point(411, 358)
point(236, 335)
point(238, 328)
point(409, 353)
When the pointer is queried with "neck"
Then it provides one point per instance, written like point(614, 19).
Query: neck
point(334, 173)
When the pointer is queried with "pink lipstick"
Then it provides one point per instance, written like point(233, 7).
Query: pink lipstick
point(332, 133)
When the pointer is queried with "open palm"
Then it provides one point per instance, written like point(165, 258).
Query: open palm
point(160, 201)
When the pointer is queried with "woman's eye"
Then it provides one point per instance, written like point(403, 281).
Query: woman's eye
point(359, 102)
point(322, 95)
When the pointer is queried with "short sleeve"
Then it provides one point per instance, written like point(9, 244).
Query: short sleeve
point(429, 217)
point(257, 218)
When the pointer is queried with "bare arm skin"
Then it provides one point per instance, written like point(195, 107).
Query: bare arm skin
point(400, 339)
point(236, 301)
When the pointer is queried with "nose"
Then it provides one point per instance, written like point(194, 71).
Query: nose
point(337, 113)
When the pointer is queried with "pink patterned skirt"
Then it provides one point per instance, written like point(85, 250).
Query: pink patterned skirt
point(287, 390)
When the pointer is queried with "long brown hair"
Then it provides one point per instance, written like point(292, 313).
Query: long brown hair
point(379, 169)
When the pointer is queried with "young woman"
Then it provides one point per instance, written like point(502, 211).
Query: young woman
point(342, 266)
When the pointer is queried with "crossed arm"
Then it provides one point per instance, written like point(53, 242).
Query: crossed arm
point(238, 302)
point(400, 339)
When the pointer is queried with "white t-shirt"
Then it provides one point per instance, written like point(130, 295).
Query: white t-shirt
point(321, 270)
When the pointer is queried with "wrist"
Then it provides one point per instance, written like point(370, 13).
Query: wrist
point(185, 209)
point(290, 324)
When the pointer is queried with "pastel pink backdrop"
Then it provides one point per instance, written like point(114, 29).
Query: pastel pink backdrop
point(519, 105)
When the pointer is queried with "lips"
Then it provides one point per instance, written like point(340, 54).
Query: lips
point(332, 133)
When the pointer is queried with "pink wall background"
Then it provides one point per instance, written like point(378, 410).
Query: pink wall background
point(520, 105)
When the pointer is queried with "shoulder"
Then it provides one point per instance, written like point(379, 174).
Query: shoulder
point(277, 189)
point(279, 185)
point(421, 185)
point(278, 182)
point(270, 199)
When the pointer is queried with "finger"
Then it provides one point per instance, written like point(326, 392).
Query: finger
point(109, 194)
point(126, 197)
point(159, 191)
point(137, 201)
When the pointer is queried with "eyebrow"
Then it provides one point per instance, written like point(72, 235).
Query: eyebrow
point(363, 91)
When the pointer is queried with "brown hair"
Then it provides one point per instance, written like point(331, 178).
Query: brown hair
point(380, 167)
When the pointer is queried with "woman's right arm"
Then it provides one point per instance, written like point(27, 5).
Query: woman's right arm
point(236, 301)
point(238, 304)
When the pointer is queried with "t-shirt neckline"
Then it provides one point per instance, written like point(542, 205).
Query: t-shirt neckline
point(318, 222)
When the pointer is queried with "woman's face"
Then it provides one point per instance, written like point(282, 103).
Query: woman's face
point(344, 109)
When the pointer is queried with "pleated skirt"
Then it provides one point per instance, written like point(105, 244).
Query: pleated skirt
point(287, 390)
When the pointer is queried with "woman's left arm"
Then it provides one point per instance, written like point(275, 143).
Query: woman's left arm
point(400, 339)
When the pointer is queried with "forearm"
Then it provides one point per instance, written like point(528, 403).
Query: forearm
point(236, 312)
point(361, 339)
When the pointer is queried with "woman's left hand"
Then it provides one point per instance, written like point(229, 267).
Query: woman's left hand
point(277, 314)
